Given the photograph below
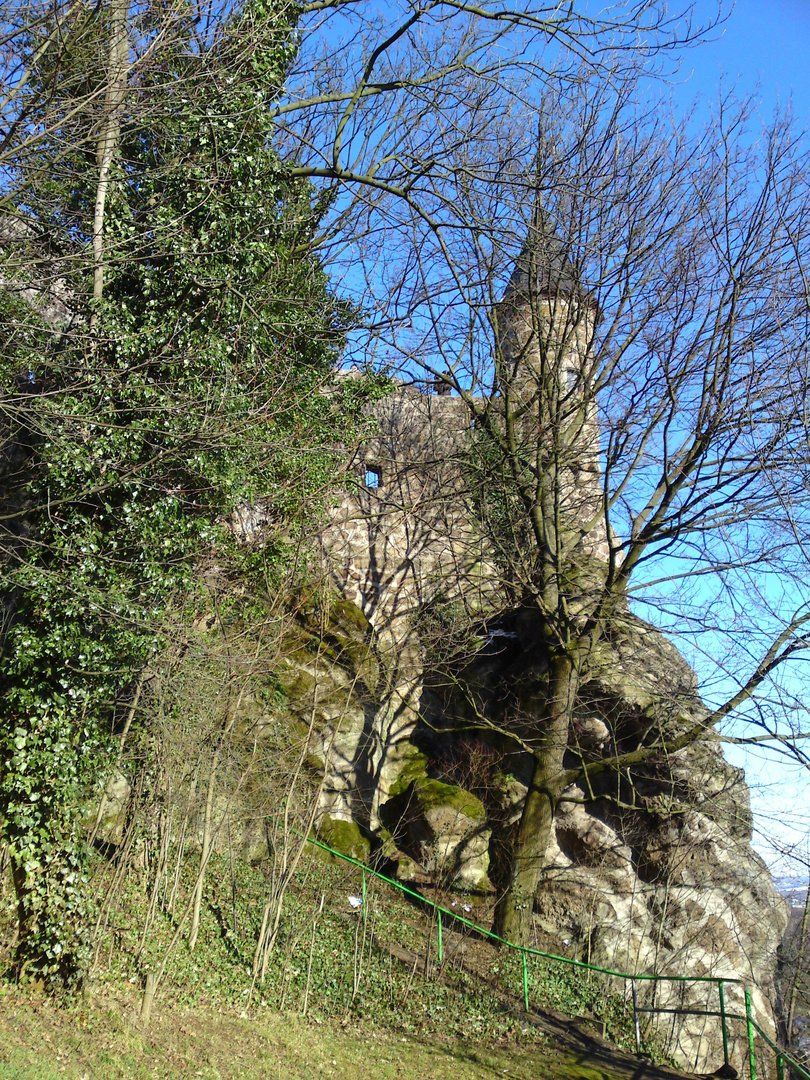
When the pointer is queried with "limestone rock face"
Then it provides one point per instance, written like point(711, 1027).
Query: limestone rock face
point(650, 871)
point(45, 291)
point(685, 896)
point(445, 828)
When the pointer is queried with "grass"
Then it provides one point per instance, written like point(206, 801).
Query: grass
point(102, 1040)
point(351, 969)
point(369, 1014)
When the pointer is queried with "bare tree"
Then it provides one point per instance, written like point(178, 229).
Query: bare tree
point(636, 390)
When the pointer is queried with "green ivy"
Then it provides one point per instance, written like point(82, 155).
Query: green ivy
point(194, 389)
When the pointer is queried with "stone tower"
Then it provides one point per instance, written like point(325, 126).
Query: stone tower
point(544, 328)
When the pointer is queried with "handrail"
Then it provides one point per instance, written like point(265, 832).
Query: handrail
point(510, 944)
point(782, 1056)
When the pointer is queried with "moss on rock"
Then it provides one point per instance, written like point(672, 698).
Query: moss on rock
point(413, 769)
point(432, 794)
point(341, 634)
point(298, 683)
point(345, 837)
point(348, 615)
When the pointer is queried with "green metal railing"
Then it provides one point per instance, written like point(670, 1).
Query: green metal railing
point(782, 1057)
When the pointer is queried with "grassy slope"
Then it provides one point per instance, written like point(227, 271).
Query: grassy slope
point(102, 1040)
point(462, 1022)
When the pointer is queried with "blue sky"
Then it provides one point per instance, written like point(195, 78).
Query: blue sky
point(762, 49)
point(762, 42)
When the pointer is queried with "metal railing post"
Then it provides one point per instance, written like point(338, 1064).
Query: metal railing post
point(752, 1064)
point(441, 951)
point(780, 1067)
point(364, 890)
point(636, 1026)
point(723, 1023)
point(525, 981)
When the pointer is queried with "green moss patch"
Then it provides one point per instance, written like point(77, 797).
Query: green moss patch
point(344, 836)
point(431, 794)
point(349, 616)
point(414, 768)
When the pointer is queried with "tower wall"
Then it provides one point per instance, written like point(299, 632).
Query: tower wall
point(545, 360)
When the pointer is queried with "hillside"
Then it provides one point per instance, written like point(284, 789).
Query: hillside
point(364, 980)
point(102, 1039)
point(375, 510)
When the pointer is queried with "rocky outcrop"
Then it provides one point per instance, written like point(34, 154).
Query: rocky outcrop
point(650, 871)
point(649, 867)
point(445, 827)
point(34, 277)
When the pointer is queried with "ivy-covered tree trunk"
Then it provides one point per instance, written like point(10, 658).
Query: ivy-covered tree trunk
point(50, 754)
point(44, 775)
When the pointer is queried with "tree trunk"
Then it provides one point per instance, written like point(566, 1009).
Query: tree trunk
point(534, 833)
point(208, 825)
point(109, 132)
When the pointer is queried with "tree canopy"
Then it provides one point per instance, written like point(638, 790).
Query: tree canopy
point(185, 381)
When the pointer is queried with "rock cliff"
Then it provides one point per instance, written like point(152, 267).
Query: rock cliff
point(650, 871)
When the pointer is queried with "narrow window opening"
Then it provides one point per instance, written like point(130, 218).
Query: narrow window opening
point(570, 379)
point(372, 477)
